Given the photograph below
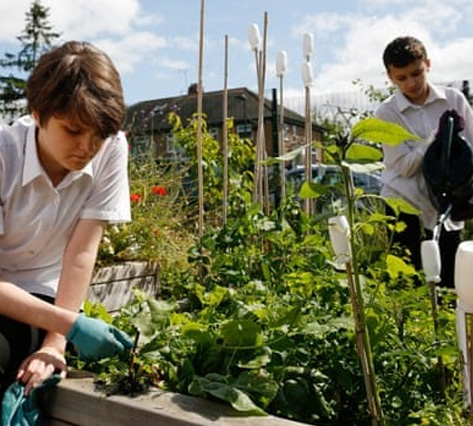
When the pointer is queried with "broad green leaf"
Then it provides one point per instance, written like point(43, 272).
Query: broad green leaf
point(312, 190)
point(363, 153)
point(259, 385)
point(239, 400)
point(396, 266)
point(241, 333)
point(198, 333)
point(380, 131)
point(401, 206)
point(291, 318)
point(364, 168)
point(257, 362)
point(288, 156)
point(211, 298)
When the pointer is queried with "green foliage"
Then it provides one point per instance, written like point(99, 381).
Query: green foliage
point(260, 319)
point(36, 38)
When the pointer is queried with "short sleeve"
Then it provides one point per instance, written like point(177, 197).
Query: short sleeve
point(110, 198)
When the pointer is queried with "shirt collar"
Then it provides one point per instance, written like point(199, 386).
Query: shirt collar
point(32, 165)
point(435, 93)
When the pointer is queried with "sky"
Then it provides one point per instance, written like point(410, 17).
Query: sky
point(155, 43)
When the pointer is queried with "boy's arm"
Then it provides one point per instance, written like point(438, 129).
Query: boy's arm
point(77, 268)
point(405, 158)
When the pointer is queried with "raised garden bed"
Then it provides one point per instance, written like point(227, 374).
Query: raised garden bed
point(76, 402)
point(112, 285)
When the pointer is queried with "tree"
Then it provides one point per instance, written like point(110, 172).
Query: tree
point(36, 38)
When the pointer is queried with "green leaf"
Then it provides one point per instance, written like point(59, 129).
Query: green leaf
point(292, 154)
point(364, 168)
point(257, 362)
point(198, 333)
point(241, 333)
point(401, 206)
point(380, 131)
point(396, 266)
point(257, 384)
point(312, 190)
point(363, 153)
point(239, 400)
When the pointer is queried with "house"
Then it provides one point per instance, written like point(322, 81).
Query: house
point(148, 120)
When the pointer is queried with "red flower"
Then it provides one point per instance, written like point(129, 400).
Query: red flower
point(159, 190)
point(135, 197)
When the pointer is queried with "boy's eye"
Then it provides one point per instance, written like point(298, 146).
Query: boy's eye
point(73, 131)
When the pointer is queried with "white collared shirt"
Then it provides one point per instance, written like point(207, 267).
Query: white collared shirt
point(36, 218)
point(403, 176)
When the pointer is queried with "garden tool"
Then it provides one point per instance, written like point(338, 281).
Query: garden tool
point(464, 315)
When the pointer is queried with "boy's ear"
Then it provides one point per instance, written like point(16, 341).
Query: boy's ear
point(427, 64)
point(36, 119)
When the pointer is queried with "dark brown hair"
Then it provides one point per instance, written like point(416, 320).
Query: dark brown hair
point(402, 51)
point(79, 82)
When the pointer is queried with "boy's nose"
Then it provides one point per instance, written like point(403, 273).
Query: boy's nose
point(88, 143)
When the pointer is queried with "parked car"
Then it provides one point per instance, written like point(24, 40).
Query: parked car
point(331, 175)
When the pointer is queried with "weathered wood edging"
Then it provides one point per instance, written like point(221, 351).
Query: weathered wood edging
point(112, 286)
point(76, 402)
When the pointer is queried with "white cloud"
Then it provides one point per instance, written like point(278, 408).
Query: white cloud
point(132, 50)
point(13, 18)
point(85, 19)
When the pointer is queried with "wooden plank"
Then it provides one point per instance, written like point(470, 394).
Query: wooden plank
point(112, 286)
point(76, 402)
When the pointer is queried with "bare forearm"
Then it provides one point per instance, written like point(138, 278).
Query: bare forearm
point(21, 306)
point(78, 264)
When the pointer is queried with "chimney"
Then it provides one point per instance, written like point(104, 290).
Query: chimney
point(192, 89)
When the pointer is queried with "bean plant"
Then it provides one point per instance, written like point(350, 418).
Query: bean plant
point(260, 318)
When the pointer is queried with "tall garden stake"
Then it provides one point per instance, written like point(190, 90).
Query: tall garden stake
point(307, 80)
point(281, 65)
point(225, 133)
point(341, 239)
point(200, 174)
point(260, 60)
point(431, 264)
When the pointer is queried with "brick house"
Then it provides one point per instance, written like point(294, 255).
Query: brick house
point(149, 120)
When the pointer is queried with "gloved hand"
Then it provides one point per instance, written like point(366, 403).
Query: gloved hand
point(95, 339)
point(21, 410)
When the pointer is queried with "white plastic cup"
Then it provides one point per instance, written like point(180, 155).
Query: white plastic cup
point(431, 263)
point(339, 231)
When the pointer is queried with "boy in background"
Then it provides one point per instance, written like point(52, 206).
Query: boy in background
point(417, 105)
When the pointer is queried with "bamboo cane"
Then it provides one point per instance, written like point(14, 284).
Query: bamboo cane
point(225, 135)
point(431, 265)
point(281, 62)
point(200, 173)
point(342, 244)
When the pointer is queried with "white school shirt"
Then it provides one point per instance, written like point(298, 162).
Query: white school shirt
point(36, 218)
point(403, 176)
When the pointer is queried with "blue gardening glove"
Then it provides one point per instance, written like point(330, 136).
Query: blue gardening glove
point(95, 339)
point(21, 410)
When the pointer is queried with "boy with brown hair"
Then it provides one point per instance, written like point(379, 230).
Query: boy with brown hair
point(63, 177)
point(417, 105)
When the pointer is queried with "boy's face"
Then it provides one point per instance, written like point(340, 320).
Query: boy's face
point(65, 146)
point(412, 80)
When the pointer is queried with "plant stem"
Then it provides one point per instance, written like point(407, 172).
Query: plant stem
point(362, 335)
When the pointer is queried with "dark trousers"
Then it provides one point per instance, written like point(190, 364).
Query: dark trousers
point(412, 237)
point(17, 341)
